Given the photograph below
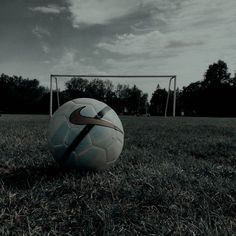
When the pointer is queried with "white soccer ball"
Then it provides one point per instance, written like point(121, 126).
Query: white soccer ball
point(86, 134)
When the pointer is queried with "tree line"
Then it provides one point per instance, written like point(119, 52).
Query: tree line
point(215, 95)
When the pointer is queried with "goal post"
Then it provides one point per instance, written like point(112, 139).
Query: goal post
point(56, 76)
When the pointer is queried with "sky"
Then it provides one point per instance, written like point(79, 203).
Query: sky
point(125, 37)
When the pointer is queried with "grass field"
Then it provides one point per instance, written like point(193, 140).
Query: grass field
point(174, 177)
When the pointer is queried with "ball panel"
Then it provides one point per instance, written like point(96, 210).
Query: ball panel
point(102, 136)
point(59, 151)
point(113, 117)
point(64, 109)
point(59, 132)
point(88, 111)
point(109, 116)
point(81, 101)
point(117, 122)
point(113, 151)
point(72, 133)
point(54, 123)
point(98, 106)
point(71, 160)
point(94, 158)
point(120, 137)
point(84, 145)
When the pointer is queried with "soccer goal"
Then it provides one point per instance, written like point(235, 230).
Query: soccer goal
point(54, 78)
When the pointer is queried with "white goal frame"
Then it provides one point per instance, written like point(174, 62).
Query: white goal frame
point(56, 76)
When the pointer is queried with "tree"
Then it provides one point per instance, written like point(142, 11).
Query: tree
point(20, 95)
point(158, 101)
point(214, 96)
point(217, 94)
point(217, 75)
point(191, 99)
point(76, 87)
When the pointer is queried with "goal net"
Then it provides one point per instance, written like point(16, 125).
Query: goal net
point(55, 86)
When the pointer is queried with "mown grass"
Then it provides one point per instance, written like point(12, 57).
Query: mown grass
point(174, 177)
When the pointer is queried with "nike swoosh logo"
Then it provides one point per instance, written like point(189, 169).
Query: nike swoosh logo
point(78, 119)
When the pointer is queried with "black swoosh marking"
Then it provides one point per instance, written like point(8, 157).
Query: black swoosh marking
point(78, 119)
point(84, 131)
point(76, 142)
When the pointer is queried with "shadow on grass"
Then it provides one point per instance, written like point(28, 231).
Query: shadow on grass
point(25, 178)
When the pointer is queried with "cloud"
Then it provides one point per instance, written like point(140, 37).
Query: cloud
point(129, 44)
point(49, 9)
point(94, 12)
point(40, 32)
point(181, 44)
point(47, 62)
point(151, 43)
point(45, 48)
point(70, 65)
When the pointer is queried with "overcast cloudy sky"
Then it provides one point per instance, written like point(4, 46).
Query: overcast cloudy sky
point(180, 37)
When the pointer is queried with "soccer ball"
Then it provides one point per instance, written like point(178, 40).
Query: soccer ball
point(85, 134)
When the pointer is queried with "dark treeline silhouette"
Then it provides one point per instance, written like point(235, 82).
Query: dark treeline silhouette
point(215, 95)
point(19, 95)
point(122, 98)
point(158, 102)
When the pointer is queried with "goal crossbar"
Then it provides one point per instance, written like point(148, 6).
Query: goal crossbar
point(171, 78)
